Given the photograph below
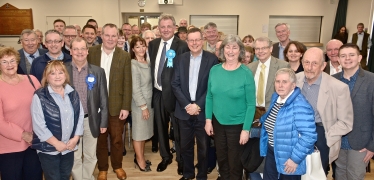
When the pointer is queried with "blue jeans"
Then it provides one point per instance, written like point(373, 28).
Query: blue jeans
point(57, 167)
point(270, 171)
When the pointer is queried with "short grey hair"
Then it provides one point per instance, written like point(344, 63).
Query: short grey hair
point(288, 71)
point(264, 39)
point(166, 17)
point(27, 32)
point(231, 38)
point(111, 26)
point(70, 27)
point(280, 24)
point(148, 31)
point(210, 24)
point(37, 30)
point(51, 31)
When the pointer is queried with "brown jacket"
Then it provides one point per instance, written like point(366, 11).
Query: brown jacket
point(120, 80)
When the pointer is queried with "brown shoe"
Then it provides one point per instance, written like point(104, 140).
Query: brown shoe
point(121, 174)
point(102, 175)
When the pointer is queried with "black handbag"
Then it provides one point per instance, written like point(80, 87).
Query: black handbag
point(251, 158)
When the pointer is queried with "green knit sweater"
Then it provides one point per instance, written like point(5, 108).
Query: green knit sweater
point(231, 96)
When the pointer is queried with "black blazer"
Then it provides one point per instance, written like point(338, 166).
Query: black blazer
point(22, 63)
point(179, 47)
point(97, 99)
point(180, 83)
point(362, 97)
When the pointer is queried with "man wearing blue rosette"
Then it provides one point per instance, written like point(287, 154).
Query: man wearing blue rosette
point(162, 51)
point(90, 83)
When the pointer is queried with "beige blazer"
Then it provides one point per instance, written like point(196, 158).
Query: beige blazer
point(275, 65)
point(334, 105)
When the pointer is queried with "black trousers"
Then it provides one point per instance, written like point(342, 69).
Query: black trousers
point(229, 151)
point(21, 165)
point(189, 129)
point(162, 118)
point(324, 150)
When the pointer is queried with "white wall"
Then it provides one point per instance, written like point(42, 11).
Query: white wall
point(252, 13)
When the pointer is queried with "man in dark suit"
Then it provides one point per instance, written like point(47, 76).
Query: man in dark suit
point(29, 51)
point(69, 33)
point(282, 31)
point(358, 145)
point(189, 86)
point(94, 97)
point(332, 52)
point(162, 51)
point(54, 43)
point(117, 66)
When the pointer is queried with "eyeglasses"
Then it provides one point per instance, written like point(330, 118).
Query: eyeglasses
point(262, 49)
point(77, 49)
point(70, 36)
point(308, 63)
point(27, 41)
point(6, 63)
point(194, 40)
point(53, 42)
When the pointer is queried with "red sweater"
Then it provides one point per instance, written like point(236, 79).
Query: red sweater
point(15, 114)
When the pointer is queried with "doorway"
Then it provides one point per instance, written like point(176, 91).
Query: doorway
point(140, 18)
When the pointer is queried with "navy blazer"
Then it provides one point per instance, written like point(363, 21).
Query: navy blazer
point(97, 99)
point(22, 63)
point(39, 64)
point(179, 47)
point(180, 83)
point(362, 96)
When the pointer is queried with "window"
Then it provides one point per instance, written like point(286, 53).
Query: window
point(303, 28)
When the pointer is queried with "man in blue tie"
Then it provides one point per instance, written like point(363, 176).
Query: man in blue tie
point(126, 30)
point(163, 96)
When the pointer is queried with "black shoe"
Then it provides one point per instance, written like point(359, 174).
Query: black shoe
point(154, 149)
point(124, 152)
point(210, 169)
point(164, 164)
point(180, 168)
point(183, 178)
point(146, 169)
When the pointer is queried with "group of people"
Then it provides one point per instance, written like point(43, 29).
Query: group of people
point(60, 104)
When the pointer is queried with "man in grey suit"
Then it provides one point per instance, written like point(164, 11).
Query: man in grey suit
point(357, 146)
point(90, 82)
point(29, 51)
point(263, 50)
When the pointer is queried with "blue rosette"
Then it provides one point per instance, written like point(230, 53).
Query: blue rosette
point(91, 81)
point(170, 54)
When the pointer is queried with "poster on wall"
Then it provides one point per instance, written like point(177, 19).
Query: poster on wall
point(14, 20)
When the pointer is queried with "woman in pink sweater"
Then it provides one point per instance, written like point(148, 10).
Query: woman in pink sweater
point(17, 160)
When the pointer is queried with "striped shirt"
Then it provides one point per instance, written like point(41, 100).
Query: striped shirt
point(270, 122)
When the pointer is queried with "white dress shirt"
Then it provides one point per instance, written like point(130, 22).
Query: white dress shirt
point(157, 62)
point(106, 63)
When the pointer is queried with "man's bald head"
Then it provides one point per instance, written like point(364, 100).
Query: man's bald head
point(332, 49)
point(313, 63)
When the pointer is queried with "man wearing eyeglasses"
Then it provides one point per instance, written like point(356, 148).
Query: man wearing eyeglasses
point(189, 85)
point(69, 33)
point(90, 82)
point(54, 43)
point(331, 102)
point(29, 51)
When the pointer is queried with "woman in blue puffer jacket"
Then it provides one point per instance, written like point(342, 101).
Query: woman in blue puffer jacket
point(288, 130)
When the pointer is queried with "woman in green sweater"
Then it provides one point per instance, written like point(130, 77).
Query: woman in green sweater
point(230, 106)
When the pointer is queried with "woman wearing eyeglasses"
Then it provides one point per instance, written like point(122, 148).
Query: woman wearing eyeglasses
point(17, 160)
point(57, 119)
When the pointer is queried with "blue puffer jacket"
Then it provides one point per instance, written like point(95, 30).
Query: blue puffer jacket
point(294, 132)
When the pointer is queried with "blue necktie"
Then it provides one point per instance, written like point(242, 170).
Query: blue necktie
point(32, 56)
point(126, 49)
point(161, 64)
